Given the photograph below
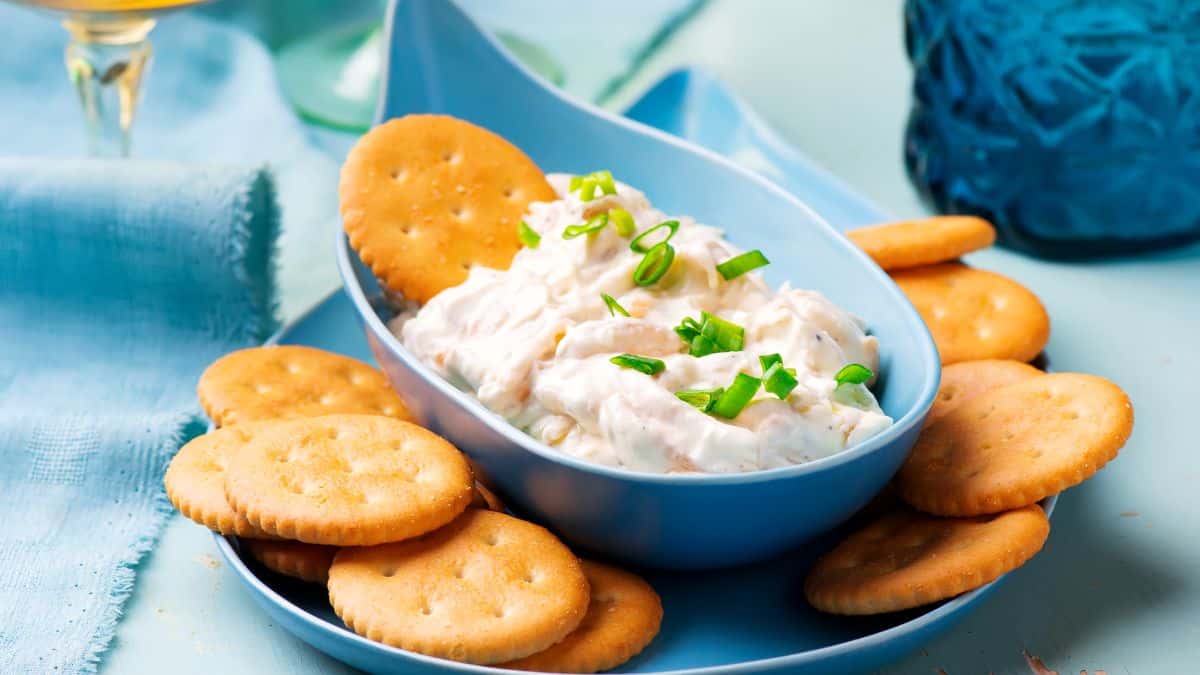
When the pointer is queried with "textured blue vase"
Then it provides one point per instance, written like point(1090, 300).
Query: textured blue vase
point(1074, 125)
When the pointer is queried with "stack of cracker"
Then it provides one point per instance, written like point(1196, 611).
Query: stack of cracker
point(319, 473)
point(1000, 437)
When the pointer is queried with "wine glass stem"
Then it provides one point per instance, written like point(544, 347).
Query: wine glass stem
point(107, 66)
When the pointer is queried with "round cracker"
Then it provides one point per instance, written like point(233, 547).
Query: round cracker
point(307, 562)
point(348, 480)
point(1016, 445)
point(912, 243)
point(290, 381)
point(426, 197)
point(195, 480)
point(974, 314)
point(485, 589)
point(964, 381)
point(907, 559)
point(624, 616)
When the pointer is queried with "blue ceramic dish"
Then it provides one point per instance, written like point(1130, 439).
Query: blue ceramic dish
point(440, 61)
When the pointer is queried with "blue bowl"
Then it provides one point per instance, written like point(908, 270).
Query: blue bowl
point(440, 61)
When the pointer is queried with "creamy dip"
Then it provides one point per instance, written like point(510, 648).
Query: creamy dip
point(534, 344)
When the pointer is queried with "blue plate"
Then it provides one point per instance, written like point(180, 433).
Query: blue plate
point(743, 621)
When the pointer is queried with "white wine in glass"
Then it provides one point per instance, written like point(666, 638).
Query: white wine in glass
point(106, 57)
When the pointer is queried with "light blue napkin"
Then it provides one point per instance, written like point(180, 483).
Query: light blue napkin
point(120, 282)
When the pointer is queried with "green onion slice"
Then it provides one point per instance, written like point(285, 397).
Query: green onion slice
point(736, 397)
point(779, 381)
point(701, 399)
point(768, 360)
point(639, 247)
point(654, 265)
point(853, 373)
point(727, 335)
point(529, 238)
point(614, 307)
point(739, 265)
point(642, 364)
point(623, 221)
point(576, 183)
point(594, 224)
point(688, 329)
point(604, 179)
point(587, 190)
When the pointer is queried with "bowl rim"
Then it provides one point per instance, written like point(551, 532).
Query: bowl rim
point(926, 348)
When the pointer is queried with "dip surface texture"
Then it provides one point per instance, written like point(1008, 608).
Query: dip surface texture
point(534, 344)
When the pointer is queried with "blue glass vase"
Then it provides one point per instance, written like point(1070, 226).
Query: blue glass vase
point(1073, 125)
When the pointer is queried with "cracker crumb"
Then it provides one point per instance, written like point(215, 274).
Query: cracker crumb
point(208, 561)
point(1036, 665)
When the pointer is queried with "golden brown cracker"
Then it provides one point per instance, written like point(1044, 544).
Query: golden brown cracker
point(974, 314)
point(907, 559)
point(195, 480)
point(1016, 445)
point(964, 381)
point(912, 243)
point(426, 197)
point(348, 480)
point(624, 616)
point(307, 562)
point(284, 382)
point(487, 588)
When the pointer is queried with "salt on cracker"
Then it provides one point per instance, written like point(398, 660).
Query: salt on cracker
point(912, 243)
point(964, 381)
point(195, 480)
point(974, 314)
point(283, 382)
point(907, 559)
point(348, 480)
point(426, 197)
point(487, 588)
point(307, 562)
point(624, 616)
point(1016, 445)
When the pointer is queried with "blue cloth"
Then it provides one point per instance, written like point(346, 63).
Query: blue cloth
point(119, 282)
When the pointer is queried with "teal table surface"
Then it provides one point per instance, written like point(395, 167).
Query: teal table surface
point(1117, 588)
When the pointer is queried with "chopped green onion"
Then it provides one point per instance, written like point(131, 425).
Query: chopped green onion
point(654, 265)
point(642, 364)
point(614, 307)
point(768, 360)
point(701, 399)
point(853, 373)
point(594, 224)
point(623, 221)
point(703, 346)
point(777, 380)
point(739, 265)
point(637, 245)
point(587, 190)
point(736, 397)
point(725, 334)
point(688, 329)
point(604, 179)
point(576, 183)
point(527, 235)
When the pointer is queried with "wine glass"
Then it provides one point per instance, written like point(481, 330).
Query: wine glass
point(106, 58)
